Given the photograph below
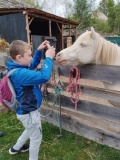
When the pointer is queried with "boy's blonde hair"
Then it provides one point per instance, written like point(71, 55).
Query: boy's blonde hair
point(18, 47)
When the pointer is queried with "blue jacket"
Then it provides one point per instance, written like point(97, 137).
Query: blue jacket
point(25, 77)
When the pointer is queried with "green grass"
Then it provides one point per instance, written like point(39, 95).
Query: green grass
point(69, 147)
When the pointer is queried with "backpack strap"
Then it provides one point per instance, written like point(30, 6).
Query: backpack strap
point(26, 90)
point(10, 72)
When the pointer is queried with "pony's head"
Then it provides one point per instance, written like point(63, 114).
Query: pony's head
point(83, 51)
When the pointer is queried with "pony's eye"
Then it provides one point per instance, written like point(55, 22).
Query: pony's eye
point(83, 44)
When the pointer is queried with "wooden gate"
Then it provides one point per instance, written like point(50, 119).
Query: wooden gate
point(95, 118)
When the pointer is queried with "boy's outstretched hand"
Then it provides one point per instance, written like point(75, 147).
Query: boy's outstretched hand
point(46, 45)
point(43, 45)
point(50, 52)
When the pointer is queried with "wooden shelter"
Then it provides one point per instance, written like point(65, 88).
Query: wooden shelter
point(21, 21)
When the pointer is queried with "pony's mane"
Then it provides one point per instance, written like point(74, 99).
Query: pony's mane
point(106, 51)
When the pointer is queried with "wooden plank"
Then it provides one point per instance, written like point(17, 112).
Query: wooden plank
point(107, 124)
point(75, 33)
point(16, 29)
point(100, 110)
point(97, 92)
point(59, 28)
point(69, 30)
point(101, 93)
point(45, 17)
point(75, 125)
point(50, 32)
point(101, 73)
point(62, 37)
point(27, 26)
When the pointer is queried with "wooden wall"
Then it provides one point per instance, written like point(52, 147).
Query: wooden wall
point(13, 26)
point(95, 118)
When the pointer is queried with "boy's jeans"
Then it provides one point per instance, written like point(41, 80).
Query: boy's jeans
point(32, 124)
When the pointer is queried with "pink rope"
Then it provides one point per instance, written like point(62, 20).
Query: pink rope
point(74, 87)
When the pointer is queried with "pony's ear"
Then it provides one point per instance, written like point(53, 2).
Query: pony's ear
point(93, 33)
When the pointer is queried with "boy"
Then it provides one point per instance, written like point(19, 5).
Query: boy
point(26, 81)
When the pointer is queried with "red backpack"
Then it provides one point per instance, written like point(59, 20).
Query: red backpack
point(7, 92)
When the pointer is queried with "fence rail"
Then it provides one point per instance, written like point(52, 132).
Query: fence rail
point(93, 120)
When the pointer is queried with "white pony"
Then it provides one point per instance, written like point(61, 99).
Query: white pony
point(90, 47)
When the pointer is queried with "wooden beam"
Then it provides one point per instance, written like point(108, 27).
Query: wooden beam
point(48, 18)
point(103, 73)
point(27, 26)
point(62, 38)
point(75, 33)
point(96, 92)
point(50, 32)
point(70, 30)
point(95, 109)
point(59, 28)
point(72, 27)
point(31, 20)
point(88, 129)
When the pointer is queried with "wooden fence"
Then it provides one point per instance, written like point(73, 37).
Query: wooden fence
point(95, 119)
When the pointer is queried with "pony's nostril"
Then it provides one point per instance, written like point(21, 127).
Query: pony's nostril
point(58, 55)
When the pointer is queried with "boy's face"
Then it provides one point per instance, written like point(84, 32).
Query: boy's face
point(26, 58)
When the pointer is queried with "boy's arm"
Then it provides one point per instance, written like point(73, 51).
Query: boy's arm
point(38, 54)
point(31, 77)
point(36, 59)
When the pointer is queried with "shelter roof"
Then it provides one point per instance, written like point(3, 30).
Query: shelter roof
point(13, 6)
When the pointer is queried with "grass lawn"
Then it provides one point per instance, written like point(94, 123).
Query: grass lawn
point(69, 147)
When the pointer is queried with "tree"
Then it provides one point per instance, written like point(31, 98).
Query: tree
point(82, 12)
point(103, 7)
point(100, 25)
point(67, 8)
point(117, 19)
point(111, 13)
